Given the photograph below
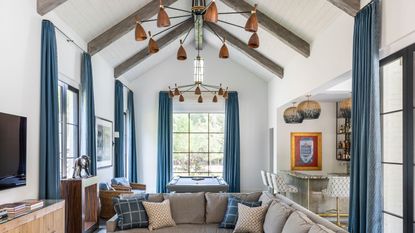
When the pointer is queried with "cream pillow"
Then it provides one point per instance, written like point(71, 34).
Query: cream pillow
point(250, 219)
point(159, 215)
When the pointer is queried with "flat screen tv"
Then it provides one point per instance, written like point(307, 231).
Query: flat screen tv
point(12, 151)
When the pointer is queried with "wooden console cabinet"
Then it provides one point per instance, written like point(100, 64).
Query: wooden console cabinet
point(82, 205)
point(48, 219)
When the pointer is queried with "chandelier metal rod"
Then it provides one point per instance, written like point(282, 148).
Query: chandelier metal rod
point(211, 86)
point(187, 34)
point(207, 90)
point(190, 85)
point(173, 17)
point(232, 24)
point(177, 9)
point(178, 24)
point(213, 30)
point(234, 13)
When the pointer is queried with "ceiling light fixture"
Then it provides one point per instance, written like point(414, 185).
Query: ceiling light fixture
point(199, 11)
point(345, 108)
point(292, 116)
point(309, 109)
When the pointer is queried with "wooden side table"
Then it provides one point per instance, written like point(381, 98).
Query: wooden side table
point(82, 205)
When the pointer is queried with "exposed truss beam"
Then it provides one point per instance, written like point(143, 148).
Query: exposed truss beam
point(251, 53)
point(171, 36)
point(351, 7)
point(125, 26)
point(44, 6)
point(285, 35)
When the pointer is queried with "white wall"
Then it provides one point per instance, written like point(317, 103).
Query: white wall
point(326, 124)
point(20, 80)
point(252, 102)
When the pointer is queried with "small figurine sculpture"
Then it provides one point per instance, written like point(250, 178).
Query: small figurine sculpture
point(81, 163)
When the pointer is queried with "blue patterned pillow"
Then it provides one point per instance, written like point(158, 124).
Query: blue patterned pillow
point(131, 213)
point(231, 215)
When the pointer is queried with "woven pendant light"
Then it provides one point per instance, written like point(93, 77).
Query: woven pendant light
point(309, 109)
point(224, 52)
point(181, 53)
point(163, 19)
point(140, 34)
point(211, 14)
point(292, 116)
point(253, 41)
point(252, 23)
point(200, 99)
point(345, 108)
point(152, 45)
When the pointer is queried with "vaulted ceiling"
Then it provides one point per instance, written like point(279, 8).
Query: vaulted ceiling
point(304, 19)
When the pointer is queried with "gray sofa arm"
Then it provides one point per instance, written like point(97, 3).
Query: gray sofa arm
point(112, 224)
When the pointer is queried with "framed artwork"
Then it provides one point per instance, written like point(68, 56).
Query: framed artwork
point(306, 151)
point(104, 138)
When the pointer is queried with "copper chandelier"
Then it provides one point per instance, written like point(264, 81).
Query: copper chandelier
point(201, 13)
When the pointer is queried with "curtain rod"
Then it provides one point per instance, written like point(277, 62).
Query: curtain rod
point(68, 39)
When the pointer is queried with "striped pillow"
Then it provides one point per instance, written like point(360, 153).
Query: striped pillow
point(231, 215)
point(131, 213)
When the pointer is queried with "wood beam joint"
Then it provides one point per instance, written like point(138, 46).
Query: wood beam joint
point(351, 7)
point(45, 6)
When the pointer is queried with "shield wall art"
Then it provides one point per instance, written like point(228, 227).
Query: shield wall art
point(306, 151)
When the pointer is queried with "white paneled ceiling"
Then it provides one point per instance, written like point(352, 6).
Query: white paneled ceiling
point(306, 18)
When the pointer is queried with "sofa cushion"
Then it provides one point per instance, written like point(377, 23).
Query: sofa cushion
point(141, 196)
point(317, 228)
point(120, 181)
point(276, 217)
point(297, 222)
point(183, 228)
point(216, 204)
point(151, 197)
point(159, 214)
point(231, 215)
point(250, 219)
point(187, 207)
point(131, 213)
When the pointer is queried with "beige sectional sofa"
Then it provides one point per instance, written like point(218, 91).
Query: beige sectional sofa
point(202, 213)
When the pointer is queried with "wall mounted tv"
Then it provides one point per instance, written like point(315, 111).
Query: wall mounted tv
point(12, 151)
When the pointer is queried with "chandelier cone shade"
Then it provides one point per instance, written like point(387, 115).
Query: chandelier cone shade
point(200, 99)
point(211, 14)
point(254, 41)
point(181, 53)
point(197, 91)
point(292, 116)
point(225, 94)
point(163, 19)
point(215, 99)
point(152, 45)
point(224, 52)
point(140, 34)
point(252, 23)
point(176, 91)
point(181, 98)
point(309, 109)
point(171, 94)
point(220, 92)
point(345, 108)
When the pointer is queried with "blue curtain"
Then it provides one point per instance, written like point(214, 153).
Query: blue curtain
point(119, 127)
point(165, 142)
point(49, 177)
point(231, 162)
point(366, 170)
point(132, 140)
point(88, 113)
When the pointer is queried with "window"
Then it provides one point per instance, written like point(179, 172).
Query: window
point(397, 118)
point(198, 142)
point(68, 103)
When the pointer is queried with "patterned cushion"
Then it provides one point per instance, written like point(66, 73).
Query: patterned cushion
point(231, 215)
point(250, 219)
point(159, 214)
point(131, 213)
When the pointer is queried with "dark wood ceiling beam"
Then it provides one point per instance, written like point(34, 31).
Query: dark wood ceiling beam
point(162, 42)
point(44, 6)
point(351, 7)
point(285, 35)
point(125, 26)
point(251, 53)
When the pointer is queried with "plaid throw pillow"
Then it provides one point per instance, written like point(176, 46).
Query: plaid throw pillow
point(131, 213)
point(231, 215)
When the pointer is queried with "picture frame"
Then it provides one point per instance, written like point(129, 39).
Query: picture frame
point(306, 151)
point(104, 141)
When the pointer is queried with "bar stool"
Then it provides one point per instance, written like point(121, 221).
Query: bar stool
point(270, 184)
point(264, 178)
point(338, 187)
point(281, 186)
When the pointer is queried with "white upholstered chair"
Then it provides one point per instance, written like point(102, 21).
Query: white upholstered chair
point(338, 187)
point(264, 178)
point(281, 186)
point(270, 184)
